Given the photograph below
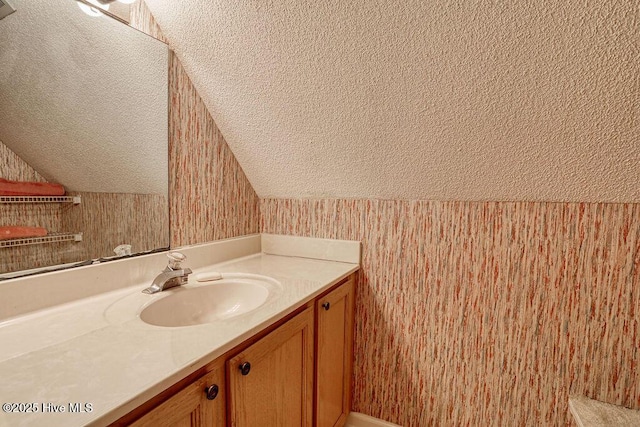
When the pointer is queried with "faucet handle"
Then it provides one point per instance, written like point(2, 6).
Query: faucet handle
point(175, 259)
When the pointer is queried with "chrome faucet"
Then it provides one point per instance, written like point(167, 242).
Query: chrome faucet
point(173, 275)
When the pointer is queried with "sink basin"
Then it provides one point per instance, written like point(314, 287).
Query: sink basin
point(218, 300)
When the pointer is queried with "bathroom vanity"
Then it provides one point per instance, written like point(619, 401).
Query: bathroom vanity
point(98, 363)
point(292, 372)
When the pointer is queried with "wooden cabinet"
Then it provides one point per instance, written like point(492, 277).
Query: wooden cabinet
point(334, 337)
point(200, 404)
point(271, 381)
point(295, 373)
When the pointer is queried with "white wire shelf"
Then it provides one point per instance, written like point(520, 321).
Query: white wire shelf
point(51, 238)
point(41, 199)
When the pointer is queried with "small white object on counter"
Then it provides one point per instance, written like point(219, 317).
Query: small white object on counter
point(209, 276)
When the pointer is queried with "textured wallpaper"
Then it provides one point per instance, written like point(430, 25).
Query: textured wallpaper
point(111, 219)
point(210, 196)
point(485, 313)
point(12, 167)
point(105, 220)
point(140, 17)
point(47, 215)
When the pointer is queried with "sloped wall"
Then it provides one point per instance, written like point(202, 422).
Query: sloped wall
point(210, 197)
point(485, 313)
point(12, 167)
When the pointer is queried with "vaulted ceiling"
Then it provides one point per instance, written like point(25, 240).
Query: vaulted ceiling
point(432, 99)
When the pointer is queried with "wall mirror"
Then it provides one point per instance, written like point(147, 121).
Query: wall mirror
point(83, 103)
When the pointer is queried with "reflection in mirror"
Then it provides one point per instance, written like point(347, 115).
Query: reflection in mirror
point(83, 103)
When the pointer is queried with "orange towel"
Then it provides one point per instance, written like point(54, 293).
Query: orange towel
point(16, 188)
point(17, 232)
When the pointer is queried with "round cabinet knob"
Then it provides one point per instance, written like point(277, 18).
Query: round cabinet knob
point(326, 305)
point(211, 391)
point(245, 368)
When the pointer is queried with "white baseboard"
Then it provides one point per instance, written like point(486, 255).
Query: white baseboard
point(357, 419)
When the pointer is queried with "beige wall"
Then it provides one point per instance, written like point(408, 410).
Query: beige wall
point(485, 313)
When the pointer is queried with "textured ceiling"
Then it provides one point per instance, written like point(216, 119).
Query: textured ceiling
point(440, 99)
point(84, 100)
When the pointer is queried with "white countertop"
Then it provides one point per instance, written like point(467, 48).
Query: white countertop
point(593, 413)
point(98, 351)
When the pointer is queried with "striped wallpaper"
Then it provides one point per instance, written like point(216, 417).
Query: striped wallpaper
point(210, 196)
point(111, 219)
point(485, 313)
point(106, 220)
point(140, 18)
point(468, 313)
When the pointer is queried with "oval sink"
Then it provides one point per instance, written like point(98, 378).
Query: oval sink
point(219, 300)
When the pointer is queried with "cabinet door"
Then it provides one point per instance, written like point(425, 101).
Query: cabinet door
point(271, 381)
point(334, 337)
point(198, 404)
